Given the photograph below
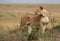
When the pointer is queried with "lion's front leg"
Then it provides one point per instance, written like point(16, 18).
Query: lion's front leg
point(43, 27)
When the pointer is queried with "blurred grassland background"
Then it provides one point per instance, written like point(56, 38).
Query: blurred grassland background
point(10, 15)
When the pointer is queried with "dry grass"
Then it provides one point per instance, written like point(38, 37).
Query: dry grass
point(10, 21)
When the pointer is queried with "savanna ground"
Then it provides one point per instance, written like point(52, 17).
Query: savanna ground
point(10, 15)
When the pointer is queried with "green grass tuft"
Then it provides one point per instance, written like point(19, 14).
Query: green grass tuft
point(36, 35)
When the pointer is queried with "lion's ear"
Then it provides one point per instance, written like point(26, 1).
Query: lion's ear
point(41, 7)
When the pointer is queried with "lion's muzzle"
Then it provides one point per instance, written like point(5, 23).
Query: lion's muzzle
point(45, 20)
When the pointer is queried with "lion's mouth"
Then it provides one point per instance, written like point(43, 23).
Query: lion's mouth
point(45, 20)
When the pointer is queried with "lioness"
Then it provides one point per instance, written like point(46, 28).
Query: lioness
point(41, 17)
